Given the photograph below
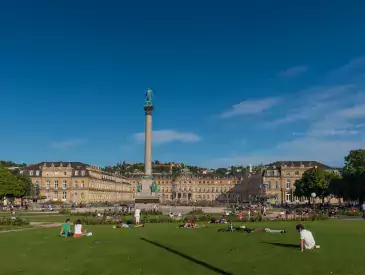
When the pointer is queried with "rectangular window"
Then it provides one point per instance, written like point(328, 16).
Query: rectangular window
point(269, 186)
point(64, 184)
point(64, 195)
point(76, 186)
point(287, 172)
point(37, 173)
point(30, 173)
point(56, 184)
point(288, 184)
point(296, 173)
point(48, 184)
point(36, 183)
point(47, 195)
point(276, 185)
point(288, 197)
point(82, 173)
point(55, 195)
point(76, 173)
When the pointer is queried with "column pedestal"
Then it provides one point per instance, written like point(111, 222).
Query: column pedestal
point(145, 195)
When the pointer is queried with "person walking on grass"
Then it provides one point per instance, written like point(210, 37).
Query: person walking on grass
point(306, 239)
point(137, 215)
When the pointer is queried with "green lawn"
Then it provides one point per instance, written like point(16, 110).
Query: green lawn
point(164, 249)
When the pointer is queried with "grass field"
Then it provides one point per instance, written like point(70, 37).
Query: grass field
point(164, 249)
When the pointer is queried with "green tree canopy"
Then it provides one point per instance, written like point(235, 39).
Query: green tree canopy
point(14, 185)
point(8, 183)
point(313, 180)
point(354, 175)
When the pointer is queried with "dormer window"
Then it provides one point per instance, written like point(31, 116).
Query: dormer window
point(76, 173)
point(31, 173)
point(37, 173)
point(82, 173)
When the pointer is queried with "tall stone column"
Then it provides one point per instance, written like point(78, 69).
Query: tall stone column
point(148, 143)
point(145, 195)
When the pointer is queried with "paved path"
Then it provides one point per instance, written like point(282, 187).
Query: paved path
point(35, 225)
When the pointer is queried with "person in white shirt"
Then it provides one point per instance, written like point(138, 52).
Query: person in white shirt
point(306, 238)
point(137, 215)
point(79, 232)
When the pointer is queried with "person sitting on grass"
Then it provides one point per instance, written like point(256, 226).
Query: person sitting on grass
point(187, 224)
point(306, 238)
point(243, 228)
point(79, 232)
point(191, 224)
point(127, 225)
point(66, 229)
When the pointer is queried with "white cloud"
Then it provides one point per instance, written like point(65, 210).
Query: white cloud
point(166, 136)
point(349, 71)
point(313, 103)
point(331, 152)
point(251, 107)
point(64, 144)
point(293, 71)
point(329, 121)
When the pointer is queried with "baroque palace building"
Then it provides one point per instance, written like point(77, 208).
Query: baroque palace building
point(279, 177)
point(78, 182)
point(186, 187)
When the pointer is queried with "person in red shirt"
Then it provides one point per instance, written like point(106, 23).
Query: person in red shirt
point(239, 215)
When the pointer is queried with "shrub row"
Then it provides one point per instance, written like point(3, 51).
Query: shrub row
point(13, 221)
point(105, 213)
point(353, 213)
point(87, 220)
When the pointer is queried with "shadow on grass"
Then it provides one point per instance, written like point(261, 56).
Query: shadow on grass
point(208, 266)
point(287, 245)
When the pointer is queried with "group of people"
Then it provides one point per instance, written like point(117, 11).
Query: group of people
point(306, 237)
point(307, 241)
point(243, 228)
point(66, 230)
point(251, 212)
point(137, 221)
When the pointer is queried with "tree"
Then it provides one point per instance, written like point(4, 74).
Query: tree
point(354, 175)
point(11, 185)
point(8, 183)
point(24, 186)
point(11, 164)
point(313, 180)
point(337, 187)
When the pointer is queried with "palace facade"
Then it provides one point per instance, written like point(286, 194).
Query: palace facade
point(186, 187)
point(72, 182)
point(279, 177)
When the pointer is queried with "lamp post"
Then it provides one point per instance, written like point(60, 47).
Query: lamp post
point(313, 195)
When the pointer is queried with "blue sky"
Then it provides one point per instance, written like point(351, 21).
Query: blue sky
point(235, 82)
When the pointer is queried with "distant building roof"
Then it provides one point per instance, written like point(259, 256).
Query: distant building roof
point(75, 165)
point(306, 163)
